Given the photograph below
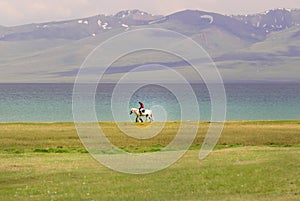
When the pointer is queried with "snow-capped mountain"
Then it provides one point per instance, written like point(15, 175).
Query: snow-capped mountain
point(192, 21)
point(78, 28)
point(246, 27)
point(136, 15)
point(53, 51)
point(272, 20)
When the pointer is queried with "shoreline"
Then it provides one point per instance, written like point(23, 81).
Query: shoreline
point(123, 122)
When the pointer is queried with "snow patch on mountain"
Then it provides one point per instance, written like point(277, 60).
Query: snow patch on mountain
point(104, 26)
point(209, 17)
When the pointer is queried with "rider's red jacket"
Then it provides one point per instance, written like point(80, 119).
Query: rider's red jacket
point(141, 105)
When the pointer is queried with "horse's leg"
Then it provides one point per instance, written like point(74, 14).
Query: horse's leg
point(141, 119)
point(136, 119)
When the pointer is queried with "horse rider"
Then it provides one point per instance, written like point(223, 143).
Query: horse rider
point(142, 108)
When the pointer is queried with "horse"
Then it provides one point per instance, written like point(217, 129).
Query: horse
point(146, 113)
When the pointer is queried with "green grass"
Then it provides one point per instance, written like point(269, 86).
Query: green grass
point(254, 160)
point(62, 137)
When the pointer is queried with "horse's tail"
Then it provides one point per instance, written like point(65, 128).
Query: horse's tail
point(152, 116)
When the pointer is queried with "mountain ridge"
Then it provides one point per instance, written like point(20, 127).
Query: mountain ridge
point(256, 24)
point(54, 51)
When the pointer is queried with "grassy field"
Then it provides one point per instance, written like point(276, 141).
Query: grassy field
point(254, 160)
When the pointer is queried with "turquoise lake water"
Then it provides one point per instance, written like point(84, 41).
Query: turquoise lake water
point(53, 102)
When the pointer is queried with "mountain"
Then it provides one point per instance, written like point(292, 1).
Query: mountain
point(199, 20)
point(77, 29)
point(244, 47)
point(272, 20)
point(247, 27)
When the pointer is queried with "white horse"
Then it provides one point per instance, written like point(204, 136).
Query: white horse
point(146, 113)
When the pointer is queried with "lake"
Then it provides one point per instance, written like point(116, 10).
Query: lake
point(53, 102)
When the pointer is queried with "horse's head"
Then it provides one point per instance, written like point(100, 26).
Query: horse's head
point(131, 111)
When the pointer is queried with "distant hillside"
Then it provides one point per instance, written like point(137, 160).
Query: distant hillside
point(248, 27)
point(264, 46)
point(78, 28)
point(272, 20)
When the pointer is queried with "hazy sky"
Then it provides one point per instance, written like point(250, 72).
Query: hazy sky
point(15, 12)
